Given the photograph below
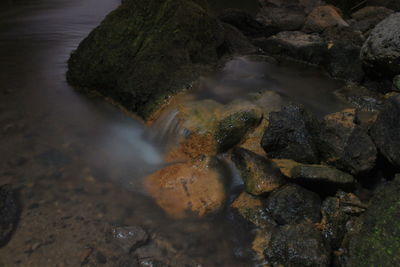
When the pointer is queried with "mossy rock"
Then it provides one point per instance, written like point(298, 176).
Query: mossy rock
point(147, 50)
point(378, 243)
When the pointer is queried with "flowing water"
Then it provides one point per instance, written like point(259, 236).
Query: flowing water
point(77, 162)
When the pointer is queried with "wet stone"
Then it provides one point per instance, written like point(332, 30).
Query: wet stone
point(127, 238)
point(8, 213)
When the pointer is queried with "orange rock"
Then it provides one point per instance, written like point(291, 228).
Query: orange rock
point(187, 188)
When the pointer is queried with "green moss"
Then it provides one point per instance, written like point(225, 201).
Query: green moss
point(145, 51)
point(378, 243)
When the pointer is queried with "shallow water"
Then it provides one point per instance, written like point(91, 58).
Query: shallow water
point(76, 161)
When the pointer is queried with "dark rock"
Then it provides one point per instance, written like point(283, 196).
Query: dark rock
point(345, 144)
point(232, 129)
point(298, 245)
point(306, 5)
point(343, 53)
point(9, 212)
point(127, 238)
point(259, 174)
point(396, 83)
point(381, 51)
point(293, 204)
point(247, 24)
point(377, 243)
point(292, 133)
point(392, 4)
point(360, 97)
point(284, 18)
point(368, 17)
point(235, 43)
point(323, 17)
point(386, 129)
point(145, 51)
point(322, 178)
point(309, 48)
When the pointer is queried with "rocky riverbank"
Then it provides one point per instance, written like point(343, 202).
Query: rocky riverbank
point(314, 191)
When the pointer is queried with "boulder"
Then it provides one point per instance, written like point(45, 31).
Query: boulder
point(298, 245)
point(323, 17)
point(385, 131)
point(235, 43)
point(368, 17)
point(292, 133)
point(342, 59)
point(9, 212)
point(345, 144)
point(284, 18)
point(246, 23)
point(321, 178)
point(381, 51)
point(195, 187)
point(145, 51)
point(292, 204)
point(377, 243)
point(260, 175)
point(309, 48)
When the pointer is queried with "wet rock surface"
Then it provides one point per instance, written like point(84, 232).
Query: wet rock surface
point(292, 204)
point(9, 210)
point(385, 131)
point(360, 97)
point(345, 144)
point(259, 174)
point(127, 238)
point(368, 17)
point(298, 245)
point(380, 52)
point(292, 134)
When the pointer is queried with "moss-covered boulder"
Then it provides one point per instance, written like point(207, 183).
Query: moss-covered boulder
point(378, 243)
point(147, 50)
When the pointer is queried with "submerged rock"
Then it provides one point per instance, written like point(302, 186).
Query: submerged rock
point(381, 51)
point(360, 97)
point(260, 175)
point(8, 213)
point(310, 48)
point(298, 245)
point(292, 134)
point(377, 243)
point(386, 129)
point(145, 51)
point(345, 144)
point(324, 17)
point(127, 238)
point(182, 189)
point(292, 204)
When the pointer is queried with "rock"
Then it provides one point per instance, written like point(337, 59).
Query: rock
point(245, 22)
point(323, 17)
point(386, 129)
point(145, 51)
point(9, 212)
point(292, 134)
point(360, 97)
point(252, 209)
point(284, 18)
point(392, 4)
point(345, 144)
point(127, 238)
point(381, 51)
point(260, 175)
point(297, 245)
point(377, 243)
point(292, 204)
point(194, 187)
point(396, 83)
point(309, 48)
point(235, 43)
point(342, 59)
point(306, 5)
point(368, 17)
point(321, 178)
point(214, 128)
point(347, 6)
